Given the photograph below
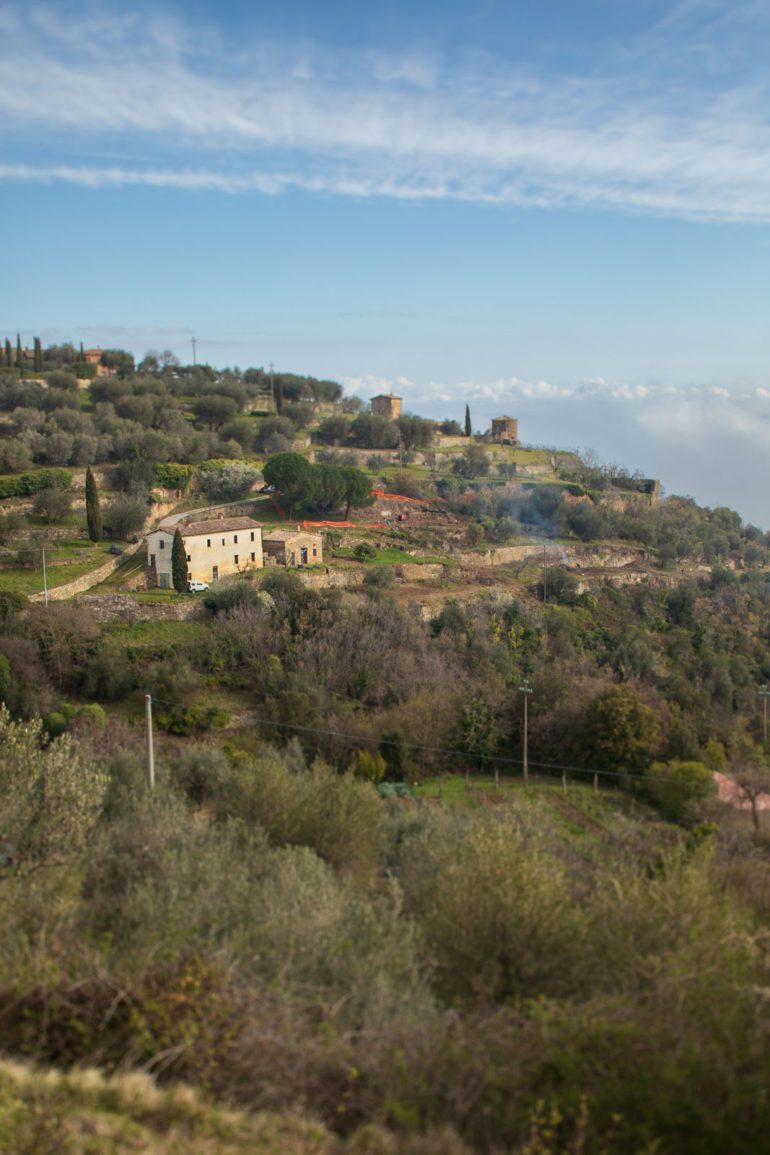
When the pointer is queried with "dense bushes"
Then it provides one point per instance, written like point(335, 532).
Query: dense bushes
point(507, 976)
point(25, 484)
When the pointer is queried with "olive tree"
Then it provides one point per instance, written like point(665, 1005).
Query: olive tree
point(51, 797)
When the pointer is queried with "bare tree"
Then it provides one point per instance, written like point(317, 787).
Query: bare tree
point(751, 775)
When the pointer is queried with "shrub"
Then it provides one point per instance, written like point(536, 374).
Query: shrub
point(125, 516)
point(230, 596)
point(227, 480)
point(497, 914)
point(677, 788)
point(199, 772)
point(192, 719)
point(400, 481)
point(379, 578)
point(339, 818)
point(11, 604)
point(53, 504)
point(59, 379)
point(51, 796)
point(368, 765)
point(169, 475)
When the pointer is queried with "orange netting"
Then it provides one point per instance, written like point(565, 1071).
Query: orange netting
point(342, 525)
point(402, 497)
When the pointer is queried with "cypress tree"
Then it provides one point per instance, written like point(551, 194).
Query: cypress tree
point(19, 354)
point(179, 563)
point(2, 356)
point(8, 354)
point(93, 513)
point(38, 361)
point(468, 426)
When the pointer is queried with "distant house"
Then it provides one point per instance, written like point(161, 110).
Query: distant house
point(216, 548)
point(292, 548)
point(505, 430)
point(94, 357)
point(387, 405)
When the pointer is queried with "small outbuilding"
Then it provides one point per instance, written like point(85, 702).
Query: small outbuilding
point(292, 547)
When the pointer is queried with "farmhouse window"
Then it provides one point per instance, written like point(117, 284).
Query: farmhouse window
point(235, 558)
point(208, 542)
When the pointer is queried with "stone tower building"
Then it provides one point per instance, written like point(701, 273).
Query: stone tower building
point(387, 405)
point(505, 429)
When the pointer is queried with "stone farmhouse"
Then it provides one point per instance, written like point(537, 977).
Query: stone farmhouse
point(94, 357)
point(387, 405)
point(223, 546)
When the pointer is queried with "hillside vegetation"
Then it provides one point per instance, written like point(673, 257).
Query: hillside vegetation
point(344, 921)
point(557, 970)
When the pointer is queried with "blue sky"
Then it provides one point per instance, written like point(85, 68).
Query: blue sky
point(556, 210)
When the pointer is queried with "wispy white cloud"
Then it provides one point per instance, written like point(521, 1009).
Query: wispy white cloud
point(370, 384)
point(271, 117)
point(674, 433)
point(643, 399)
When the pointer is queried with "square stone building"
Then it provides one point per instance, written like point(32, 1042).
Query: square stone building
point(387, 405)
point(505, 430)
point(292, 547)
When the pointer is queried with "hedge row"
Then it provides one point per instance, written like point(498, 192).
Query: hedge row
point(25, 484)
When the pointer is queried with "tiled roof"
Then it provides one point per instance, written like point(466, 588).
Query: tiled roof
point(285, 534)
point(218, 525)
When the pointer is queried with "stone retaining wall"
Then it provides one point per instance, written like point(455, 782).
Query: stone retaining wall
point(331, 579)
point(576, 556)
point(420, 573)
point(125, 608)
point(86, 580)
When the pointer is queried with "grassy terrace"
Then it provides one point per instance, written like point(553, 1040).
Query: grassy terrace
point(393, 557)
point(162, 636)
point(579, 805)
point(66, 560)
point(30, 581)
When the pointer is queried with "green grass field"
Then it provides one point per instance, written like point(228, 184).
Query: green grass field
point(66, 560)
point(28, 581)
point(394, 557)
point(156, 635)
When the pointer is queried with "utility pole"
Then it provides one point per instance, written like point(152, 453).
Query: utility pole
point(194, 344)
point(526, 690)
point(764, 693)
point(45, 579)
point(272, 385)
point(545, 574)
point(150, 745)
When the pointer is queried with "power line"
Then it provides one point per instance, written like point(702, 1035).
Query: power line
point(448, 751)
